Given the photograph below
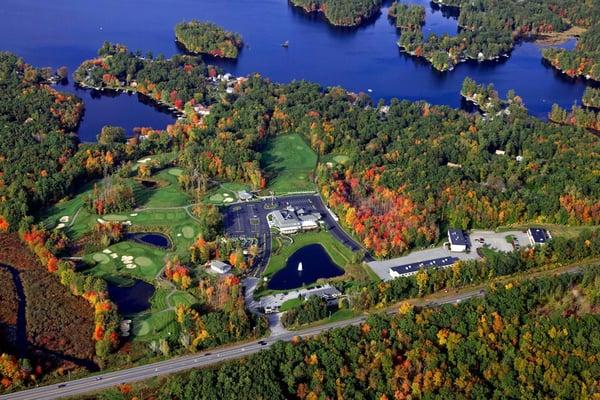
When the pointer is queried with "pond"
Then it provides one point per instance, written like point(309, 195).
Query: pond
point(131, 299)
point(316, 264)
point(155, 239)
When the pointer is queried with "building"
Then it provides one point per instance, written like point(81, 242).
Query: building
point(309, 221)
point(290, 221)
point(244, 195)
point(458, 240)
point(411, 269)
point(538, 236)
point(287, 224)
point(219, 267)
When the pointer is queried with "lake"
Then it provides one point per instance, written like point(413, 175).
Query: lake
point(65, 32)
point(131, 299)
point(316, 264)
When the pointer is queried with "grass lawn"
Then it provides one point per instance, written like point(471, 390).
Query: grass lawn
point(168, 193)
point(289, 164)
point(224, 193)
point(282, 249)
point(555, 230)
point(148, 261)
point(289, 304)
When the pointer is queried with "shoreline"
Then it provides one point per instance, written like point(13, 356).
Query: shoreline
point(556, 38)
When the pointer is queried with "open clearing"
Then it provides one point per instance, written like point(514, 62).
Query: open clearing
point(289, 164)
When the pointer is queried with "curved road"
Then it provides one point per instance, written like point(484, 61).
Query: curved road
point(182, 363)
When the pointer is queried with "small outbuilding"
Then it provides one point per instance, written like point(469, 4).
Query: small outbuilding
point(219, 267)
point(538, 236)
point(458, 240)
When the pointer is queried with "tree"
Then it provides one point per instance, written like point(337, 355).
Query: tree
point(111, 135)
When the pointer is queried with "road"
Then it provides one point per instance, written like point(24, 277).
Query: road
point(183, 363)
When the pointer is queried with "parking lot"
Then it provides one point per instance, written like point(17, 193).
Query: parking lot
point(249, 220)
point(494, 240)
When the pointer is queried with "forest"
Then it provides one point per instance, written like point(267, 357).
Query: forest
point(522, 340)
point(342, 12)
point(583, 61)
point(36, 140)
point(488, 29)
point(409, 17)
point(208, 38)
point(591, 97)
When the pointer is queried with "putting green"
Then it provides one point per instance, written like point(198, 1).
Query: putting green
point(341, 159)
point(142, 329)
point(101, 258)
point(188, 232)
point(175, 171)
point(114, 217)
point(143, 261)
point(216, 197)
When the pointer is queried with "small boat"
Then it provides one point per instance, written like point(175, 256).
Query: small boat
point(370, 90)
point(286, 44)
point(300, 266)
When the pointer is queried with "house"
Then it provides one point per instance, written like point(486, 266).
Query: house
point(538, 236)
point(458, 240)
point(500, 152)
point(202, 110)
point(219, 267)
point(413, 268)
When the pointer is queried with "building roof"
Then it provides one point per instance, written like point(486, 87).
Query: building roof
point(218, 264)
point(435, 263)
point(539, 235)
point(457, 236)
point(281, 222)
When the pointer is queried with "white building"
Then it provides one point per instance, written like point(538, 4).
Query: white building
point(458, 240)
point(293, 221)
point(219, 267)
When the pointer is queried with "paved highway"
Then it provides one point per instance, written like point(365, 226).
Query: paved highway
point(178, 364)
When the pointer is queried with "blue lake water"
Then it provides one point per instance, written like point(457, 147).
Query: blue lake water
point(316, 264)
point(65, 32)
point(131, 299)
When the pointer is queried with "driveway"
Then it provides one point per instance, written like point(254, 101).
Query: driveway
point(495, 240)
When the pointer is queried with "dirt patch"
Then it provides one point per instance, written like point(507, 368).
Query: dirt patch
point(554, 38)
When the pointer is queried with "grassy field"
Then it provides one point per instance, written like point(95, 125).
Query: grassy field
point(224, 193)
point(289, 164)
point(282, 249)
point(161, 208)
point(555, 230)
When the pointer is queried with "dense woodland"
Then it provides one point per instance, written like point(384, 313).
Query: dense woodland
point(208, 38)
point(59, 325)
point(583, 61)
point(36, 140)
point(521, 341)
point(591, 97)
point(342, 12)
point(409, 17)
point(488, 29)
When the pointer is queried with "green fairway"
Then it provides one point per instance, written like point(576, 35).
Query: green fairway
point(147, 261)
point(282, 250)
point(289, 164)
point(225, 193)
